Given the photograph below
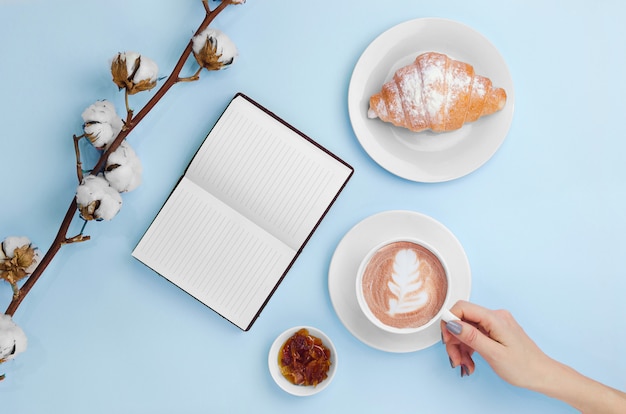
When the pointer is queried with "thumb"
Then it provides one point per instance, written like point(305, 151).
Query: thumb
point(472, 337)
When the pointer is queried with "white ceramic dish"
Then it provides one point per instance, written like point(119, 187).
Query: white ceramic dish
point(427, 156)
point(281, 381)
point(359, 241)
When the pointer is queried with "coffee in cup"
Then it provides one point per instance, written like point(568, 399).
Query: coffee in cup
point(402, 286)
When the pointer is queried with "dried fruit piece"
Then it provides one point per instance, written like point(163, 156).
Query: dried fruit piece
point(304, 359)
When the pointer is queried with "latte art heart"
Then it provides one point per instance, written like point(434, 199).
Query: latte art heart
point(404, 285)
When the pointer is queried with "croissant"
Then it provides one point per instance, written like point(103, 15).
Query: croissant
point(435, 92)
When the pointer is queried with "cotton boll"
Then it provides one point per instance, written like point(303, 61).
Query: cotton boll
point(148, 69)
point(123, 169)
point(214, 50)
point(18, 259)
point(96, 199)
point(100, 135)
point(101, 123)
point(36, 258)
point(13, 340)
point(134, 72)
point(101, 111)
point(8, 246)
point(11, 243)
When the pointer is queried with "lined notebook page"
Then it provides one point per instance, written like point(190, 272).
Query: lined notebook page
point(267, 172)
point(216, 255)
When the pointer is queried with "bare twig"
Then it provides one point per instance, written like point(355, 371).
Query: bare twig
point(76, 239)
point(193, 77)
point(79, 164)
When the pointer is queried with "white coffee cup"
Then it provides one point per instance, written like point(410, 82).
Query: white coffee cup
point(404, 264)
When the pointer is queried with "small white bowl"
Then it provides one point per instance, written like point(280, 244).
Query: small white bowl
point(300, 390)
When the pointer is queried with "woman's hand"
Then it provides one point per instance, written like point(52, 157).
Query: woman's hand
point(499, 339)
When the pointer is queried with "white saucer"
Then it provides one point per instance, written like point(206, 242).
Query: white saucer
point(427, 156)
point(363, 237)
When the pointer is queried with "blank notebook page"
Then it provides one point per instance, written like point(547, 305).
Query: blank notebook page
point(214, 254)
point(261, 168)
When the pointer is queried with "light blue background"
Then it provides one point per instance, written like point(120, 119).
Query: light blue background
point(542, 222)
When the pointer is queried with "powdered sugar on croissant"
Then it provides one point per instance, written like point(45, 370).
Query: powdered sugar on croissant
point(435, 92)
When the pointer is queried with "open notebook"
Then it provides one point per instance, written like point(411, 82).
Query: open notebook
point(240, 215)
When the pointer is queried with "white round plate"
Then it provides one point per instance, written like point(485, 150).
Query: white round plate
point(360, 240)
point(427, 156)
point(281, 381)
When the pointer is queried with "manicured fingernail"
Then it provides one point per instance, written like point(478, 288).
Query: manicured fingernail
point(451, 363)
point(443, 341)
point(454, 327)
point(464, 371)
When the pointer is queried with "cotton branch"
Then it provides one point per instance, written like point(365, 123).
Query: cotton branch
point(61, 238)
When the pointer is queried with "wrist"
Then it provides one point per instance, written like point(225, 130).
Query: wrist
point(551, 375)
point(585, 394)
